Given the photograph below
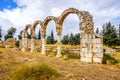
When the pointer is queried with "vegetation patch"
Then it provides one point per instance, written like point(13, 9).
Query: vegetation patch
point(39, 71)
point(109, 59)
point(70, 55)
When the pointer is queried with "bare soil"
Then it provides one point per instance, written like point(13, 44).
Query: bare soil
point(69, 69)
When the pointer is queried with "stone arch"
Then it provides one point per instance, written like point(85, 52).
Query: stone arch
point(86, 33)
point(66, 13)
point(35, 25)
point(27, 27)
point(46, 21)
point(60, 23)
point(33, 33)
point(24, 41)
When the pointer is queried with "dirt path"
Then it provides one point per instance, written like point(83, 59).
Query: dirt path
point(69, 69)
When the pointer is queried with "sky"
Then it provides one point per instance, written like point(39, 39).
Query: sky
point(18, 13)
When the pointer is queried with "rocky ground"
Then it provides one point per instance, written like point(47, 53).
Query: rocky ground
point(69, 69)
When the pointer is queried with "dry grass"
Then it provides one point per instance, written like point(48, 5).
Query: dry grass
point(72, 69)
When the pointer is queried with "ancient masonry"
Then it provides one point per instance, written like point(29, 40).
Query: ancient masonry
point(91, 46)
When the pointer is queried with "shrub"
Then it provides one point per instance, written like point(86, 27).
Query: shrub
point(70, 55)
point(51, 52)
point(109, 59)
point(35, 72)
point(17, 43)
point(73, 56)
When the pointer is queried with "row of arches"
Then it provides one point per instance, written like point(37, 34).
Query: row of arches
point(86, 32)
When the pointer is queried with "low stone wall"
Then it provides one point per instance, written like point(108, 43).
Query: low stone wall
point(37, 43)
point(9, 43)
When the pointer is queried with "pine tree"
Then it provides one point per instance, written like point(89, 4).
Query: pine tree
point(65, 39)
point(71, 39)
point(119, 31)
point(97, 30)
point(20, 35)
point(52, 37)
point(109, 34)
point(0, 32)
point(39, 35)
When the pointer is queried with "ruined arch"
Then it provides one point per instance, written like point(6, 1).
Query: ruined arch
point(66, 13)
point(45, 24)
point(89, 45)
point(24, 41)
point(33, 33)
point(35, 25)
point(27, 27)
point(46, 21)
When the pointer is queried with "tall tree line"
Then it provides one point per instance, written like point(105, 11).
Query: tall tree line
point(71, 39)
point(111, 35)
point(50, 39)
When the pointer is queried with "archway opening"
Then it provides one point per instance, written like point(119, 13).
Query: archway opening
point(71, 37)
point(51, 38)
point(38, 38)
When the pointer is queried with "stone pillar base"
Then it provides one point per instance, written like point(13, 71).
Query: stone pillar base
point(23, 49)
point(86, 59)
point(59, 55)
point(32, 51)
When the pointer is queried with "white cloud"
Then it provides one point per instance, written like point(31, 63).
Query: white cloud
point(30, 10)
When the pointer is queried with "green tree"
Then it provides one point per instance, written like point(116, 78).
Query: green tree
point(48, 40)
point(77, 39)
point(97, 30)
point(109, 34)
point(52, 37)
point(39, 35)
point(119, 31)
point(20, 35)
point(10, 33)
point(71, 39)
point(65, 39)
point(0, 32)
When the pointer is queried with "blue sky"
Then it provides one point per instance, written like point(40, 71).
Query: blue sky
point(18, 13)
point(7, 4)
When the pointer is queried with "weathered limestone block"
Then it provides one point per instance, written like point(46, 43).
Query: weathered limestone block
point(97, 49)
point(24, 42)
point(59, 31)
point(59, 46)
point(32, 45)
point(43, 45)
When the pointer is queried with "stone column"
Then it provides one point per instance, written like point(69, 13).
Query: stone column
point(32, 41)
point(24, 41)
point(59, 30)
point(43, 44)
point(59, 47)
point(32, 45)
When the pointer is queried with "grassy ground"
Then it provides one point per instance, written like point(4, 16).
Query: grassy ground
point(71, 69)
